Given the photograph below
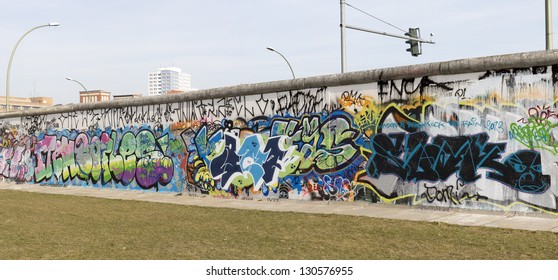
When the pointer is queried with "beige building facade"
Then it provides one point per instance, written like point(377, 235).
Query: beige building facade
point(92, 96)
point(25, 103)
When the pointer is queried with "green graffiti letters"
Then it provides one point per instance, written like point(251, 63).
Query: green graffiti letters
point(536, 133)
point(138, 157)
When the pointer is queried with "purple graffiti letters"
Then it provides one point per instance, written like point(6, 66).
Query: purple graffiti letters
point(153, 166)
point(16, 163)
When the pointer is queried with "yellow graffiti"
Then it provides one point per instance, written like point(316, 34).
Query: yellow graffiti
point(180, 126)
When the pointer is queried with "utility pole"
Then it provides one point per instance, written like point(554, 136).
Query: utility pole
point(342, 25)
point(548, 23)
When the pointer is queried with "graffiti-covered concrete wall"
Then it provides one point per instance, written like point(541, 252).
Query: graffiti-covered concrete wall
point(477, 133)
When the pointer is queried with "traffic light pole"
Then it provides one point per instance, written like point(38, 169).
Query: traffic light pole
point(414, 42)
point(390, 35)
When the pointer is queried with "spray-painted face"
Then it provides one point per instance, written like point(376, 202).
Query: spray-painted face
point(524, 172)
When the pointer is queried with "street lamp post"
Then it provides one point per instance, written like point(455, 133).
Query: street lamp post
point(273, 50)
point(70, 79)
point(12, 57)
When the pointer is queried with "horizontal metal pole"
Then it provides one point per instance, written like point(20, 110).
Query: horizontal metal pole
point(388, 34)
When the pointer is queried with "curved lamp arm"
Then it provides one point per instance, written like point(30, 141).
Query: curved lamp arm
point(12, 57)
point(273, 50)
point(70, 79)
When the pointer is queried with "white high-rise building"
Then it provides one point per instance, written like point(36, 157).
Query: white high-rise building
point(166, 79)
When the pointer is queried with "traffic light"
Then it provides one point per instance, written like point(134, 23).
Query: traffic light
point(415, 46)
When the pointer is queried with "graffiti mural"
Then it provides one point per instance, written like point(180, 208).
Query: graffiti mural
point(411, 158)
point(90, 158)
point(481, 141)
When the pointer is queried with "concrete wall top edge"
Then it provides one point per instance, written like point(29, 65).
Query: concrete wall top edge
point(479, 64)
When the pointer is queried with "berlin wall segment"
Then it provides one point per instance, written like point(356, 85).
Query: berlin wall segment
point(467, 134)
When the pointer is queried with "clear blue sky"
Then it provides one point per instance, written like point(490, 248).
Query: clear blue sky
point(112, 44)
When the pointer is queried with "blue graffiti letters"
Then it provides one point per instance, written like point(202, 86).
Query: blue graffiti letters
point(412, 158)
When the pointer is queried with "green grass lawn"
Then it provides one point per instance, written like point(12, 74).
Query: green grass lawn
point(45, 226)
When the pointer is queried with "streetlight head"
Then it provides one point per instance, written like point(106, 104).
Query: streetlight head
point(271, 49)
point(69, 79)
point(54, 24)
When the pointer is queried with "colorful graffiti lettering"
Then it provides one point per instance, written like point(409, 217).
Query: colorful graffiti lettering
point(106, 157)
point(413, 140)
point(324, 145)
point(536, 133)
point(412, 158)
point(244, 161)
